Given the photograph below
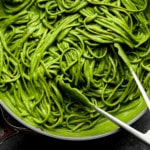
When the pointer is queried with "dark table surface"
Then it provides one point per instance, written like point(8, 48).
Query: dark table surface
point(121, 140)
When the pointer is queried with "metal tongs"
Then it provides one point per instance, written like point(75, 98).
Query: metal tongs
point(145, 137)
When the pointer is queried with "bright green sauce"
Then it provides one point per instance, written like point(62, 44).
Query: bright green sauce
point(57, 58)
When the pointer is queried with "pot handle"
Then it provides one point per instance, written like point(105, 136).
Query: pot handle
point(9, 128)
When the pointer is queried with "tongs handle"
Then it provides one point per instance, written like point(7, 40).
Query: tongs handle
point(124, 57)
point(145, 137)
point(143, 92)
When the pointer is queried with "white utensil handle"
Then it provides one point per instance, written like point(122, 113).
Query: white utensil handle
point(143, 92)
point(145, 137)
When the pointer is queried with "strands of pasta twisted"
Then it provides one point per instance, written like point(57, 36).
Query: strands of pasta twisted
point(46, 46)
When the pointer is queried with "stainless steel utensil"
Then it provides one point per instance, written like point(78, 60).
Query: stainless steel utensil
point(143, 136)
point(127, 62)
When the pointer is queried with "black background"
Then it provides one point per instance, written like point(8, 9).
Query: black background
point(122, 140)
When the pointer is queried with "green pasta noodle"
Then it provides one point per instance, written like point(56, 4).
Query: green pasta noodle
point(56, 54)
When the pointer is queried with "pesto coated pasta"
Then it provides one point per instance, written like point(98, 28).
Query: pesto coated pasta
point(55, 52)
